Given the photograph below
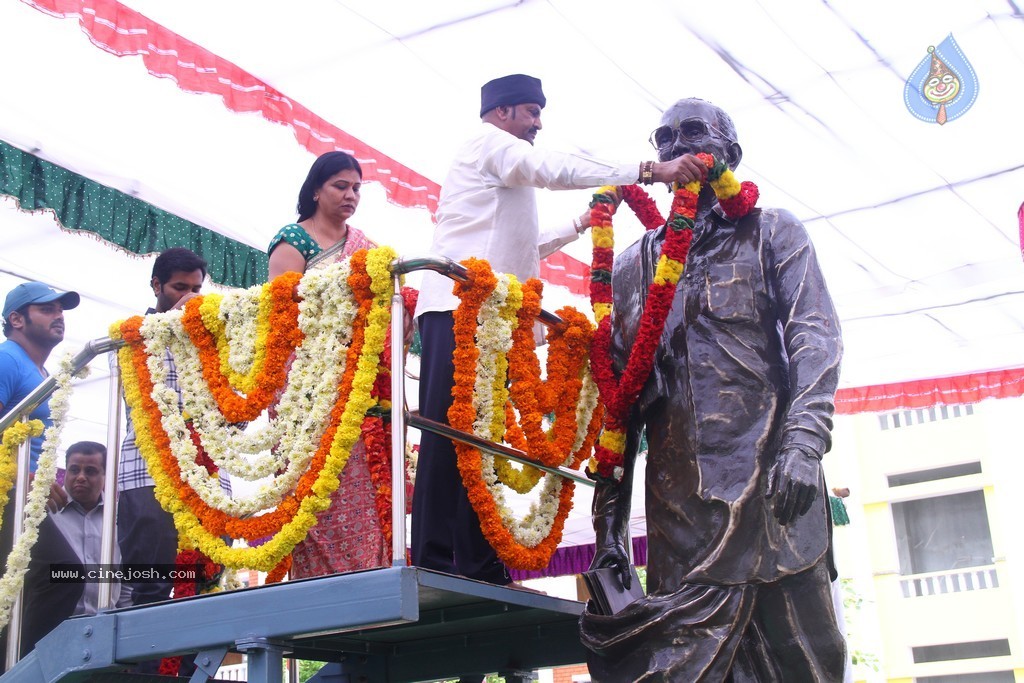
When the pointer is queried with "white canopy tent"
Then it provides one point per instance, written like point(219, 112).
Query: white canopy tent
point(915, 223)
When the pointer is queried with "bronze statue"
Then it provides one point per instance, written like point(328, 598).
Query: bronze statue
point(738, 412)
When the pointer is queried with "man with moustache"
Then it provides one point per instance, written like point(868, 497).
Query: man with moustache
point(738, 413)
point(34, 325)
point(488, 209)
point(70, 538)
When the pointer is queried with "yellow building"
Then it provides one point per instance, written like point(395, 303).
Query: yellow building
point(935, 549)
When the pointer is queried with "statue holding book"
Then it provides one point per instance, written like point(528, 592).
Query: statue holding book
point(737, 410)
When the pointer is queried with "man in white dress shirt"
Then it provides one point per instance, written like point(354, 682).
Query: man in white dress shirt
point(488, 209)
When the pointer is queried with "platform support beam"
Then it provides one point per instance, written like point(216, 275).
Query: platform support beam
point(264, 658)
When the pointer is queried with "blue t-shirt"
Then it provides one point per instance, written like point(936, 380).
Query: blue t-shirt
point(18, 377)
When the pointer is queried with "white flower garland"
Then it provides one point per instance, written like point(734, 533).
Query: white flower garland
point(326, 316)
point(589, 398)
point(35, 507)
point(239, 313)
point(494, 341)
point(494, 337)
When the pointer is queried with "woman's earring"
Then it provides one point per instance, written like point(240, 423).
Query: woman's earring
point(316, 198)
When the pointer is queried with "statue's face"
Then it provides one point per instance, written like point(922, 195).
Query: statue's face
point(691, 127)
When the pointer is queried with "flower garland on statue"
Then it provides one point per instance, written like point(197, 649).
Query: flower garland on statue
point(489, 308)
point(619, 394)
point(202, 524)
point(46, 473)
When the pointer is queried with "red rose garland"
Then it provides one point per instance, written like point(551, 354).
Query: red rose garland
point(619, 394)
point(376, 430)
point(207, 574)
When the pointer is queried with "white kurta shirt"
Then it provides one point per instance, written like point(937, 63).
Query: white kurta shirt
point(488, 207)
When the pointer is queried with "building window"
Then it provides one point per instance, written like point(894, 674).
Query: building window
point(942, 533)
point(984, 677)
point(907, 418)
point(951, 651)
point(935, 474)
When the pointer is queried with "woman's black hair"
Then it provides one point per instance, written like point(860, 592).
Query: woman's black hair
point(322, 169)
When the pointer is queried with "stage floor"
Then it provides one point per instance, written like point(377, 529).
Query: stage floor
point(393, 625)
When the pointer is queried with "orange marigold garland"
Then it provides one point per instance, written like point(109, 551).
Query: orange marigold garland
point(567, 355)
point(277, 574)
point(282, 339)
point(462, 414)
point(148, 425)
point(146, 417)
point(620, 393)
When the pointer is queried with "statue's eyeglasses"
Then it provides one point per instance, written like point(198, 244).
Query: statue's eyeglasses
point(691, 130)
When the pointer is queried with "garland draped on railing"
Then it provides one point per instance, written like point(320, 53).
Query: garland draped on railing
point(232, 357)
point(301, 360)
point(499, 396)
point(46, 471)
point(242, 341)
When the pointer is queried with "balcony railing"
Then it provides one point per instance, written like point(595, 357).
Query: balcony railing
point(950, 581)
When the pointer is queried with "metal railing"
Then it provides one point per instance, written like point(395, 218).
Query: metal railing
point(21, 412)
point(399, 419)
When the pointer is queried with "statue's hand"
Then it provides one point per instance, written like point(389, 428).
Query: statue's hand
point(793, 483)
point(614, 555)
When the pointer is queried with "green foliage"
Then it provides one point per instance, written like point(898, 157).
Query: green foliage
point(307, 669)
point(853, 601)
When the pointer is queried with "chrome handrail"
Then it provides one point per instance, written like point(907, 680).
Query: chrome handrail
point(20, 411)
point(400, 418)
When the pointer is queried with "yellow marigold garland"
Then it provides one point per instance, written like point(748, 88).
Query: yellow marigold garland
point(15, 435)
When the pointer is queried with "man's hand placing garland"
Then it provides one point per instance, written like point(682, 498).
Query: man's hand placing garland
point(685, 169)
point(793, 482)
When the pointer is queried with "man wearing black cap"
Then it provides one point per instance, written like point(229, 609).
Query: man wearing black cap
point(488, 209)
point(34, 325)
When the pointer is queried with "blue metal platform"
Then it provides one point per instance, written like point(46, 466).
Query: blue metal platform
point(392, 625)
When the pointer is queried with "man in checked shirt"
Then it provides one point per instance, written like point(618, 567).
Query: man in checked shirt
point(146, 531)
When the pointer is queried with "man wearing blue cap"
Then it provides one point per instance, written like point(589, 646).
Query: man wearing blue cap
point(34, 325)
point(488, 209)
